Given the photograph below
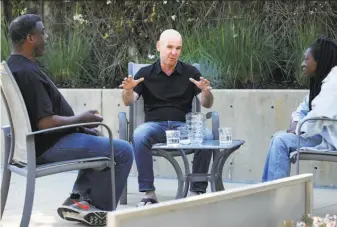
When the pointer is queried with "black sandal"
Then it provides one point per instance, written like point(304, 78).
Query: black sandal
point(146, 202)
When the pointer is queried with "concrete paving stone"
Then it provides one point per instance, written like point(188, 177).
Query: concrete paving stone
point(51, 191)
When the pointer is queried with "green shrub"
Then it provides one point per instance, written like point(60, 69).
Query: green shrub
point(6, 45)
point(65, 56)
point(233, 52)
point(256, 44)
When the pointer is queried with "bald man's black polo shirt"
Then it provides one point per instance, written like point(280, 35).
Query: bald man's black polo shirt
point(167, 98)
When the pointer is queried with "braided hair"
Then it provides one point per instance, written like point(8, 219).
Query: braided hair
point(324, 51)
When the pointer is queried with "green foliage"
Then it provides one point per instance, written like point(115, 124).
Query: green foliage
point(257, 44)
point(6, 46)
point(304, 35)
point(240, 51)
point(300, 24)
point(65, 56)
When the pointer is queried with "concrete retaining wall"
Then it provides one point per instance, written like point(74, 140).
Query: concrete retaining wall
point(254, 116)
point(277, 201)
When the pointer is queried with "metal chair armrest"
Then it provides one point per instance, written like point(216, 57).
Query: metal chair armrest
point(32, 162)
point(68, 126)
point(299, 136)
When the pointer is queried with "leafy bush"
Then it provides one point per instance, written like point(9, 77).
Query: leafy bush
point(6, 46)
point(240, 50)
point(254, 44)
point(65, 57)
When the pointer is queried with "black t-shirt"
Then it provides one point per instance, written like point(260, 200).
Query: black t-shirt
point(167, 98)
point(41, 97)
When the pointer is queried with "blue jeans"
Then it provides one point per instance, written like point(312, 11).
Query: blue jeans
point(93, 185)
point(277, 163)
point(150, 133)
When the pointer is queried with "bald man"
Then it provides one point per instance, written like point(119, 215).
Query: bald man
point(168, 87)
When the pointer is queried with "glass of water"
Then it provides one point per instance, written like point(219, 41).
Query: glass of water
point(184, 138)
point(225, 135)
point(172, 137)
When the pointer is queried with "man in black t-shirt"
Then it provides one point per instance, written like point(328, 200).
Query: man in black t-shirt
point(47, 108)
point(168, 87)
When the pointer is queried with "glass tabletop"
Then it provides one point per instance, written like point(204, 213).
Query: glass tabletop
point(206, 144)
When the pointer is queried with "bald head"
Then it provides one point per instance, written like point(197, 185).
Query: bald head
point(169, 34)
point(169, 46)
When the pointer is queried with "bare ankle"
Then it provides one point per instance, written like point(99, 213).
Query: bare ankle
point(191, 193)
point(151, 194)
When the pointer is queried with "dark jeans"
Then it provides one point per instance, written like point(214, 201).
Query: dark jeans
point(93, 185)
point(150, 133)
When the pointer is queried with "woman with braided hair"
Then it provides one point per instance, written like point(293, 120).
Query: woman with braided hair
point(320, 65)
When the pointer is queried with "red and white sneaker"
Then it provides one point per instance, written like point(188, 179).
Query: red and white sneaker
point(82, 211)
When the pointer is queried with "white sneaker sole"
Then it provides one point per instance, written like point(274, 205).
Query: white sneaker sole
point(92, 218)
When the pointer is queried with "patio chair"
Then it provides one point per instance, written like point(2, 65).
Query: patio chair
point(137, 116)
point(307, 154)
point(20, 155)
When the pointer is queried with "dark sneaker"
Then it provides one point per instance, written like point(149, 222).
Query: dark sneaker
point(82, 211)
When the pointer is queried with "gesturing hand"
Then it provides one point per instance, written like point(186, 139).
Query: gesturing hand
point(203, 84)
point(129, 83)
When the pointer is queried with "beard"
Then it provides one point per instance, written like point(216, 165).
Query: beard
point(39, 51)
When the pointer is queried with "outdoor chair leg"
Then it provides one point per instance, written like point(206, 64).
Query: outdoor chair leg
point(124, 196)
point(6, 177)
point(29, 198)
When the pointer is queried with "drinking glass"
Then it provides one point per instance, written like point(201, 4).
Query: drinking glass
point(225, 135)
point(172, 137)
